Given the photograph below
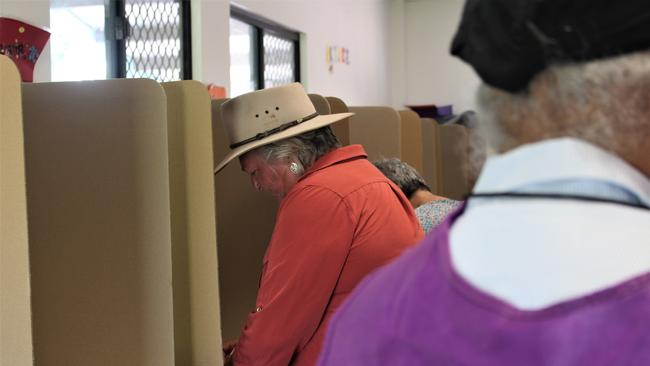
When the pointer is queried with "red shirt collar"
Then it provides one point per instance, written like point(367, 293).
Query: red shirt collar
point(336, 156)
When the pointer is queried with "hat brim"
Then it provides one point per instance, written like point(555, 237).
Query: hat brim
point(313, 124)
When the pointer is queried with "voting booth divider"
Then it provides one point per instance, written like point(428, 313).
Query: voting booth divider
point(197, 328)
point(431, 165)
point(99, 222)
point(321, 104)
point(453, 155)
point(15, 295)
point(340, 128)
point(445, 151)
point(378, 130)
point(411, 135)
point(108, 247)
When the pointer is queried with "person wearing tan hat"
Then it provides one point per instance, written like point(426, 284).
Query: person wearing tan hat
point(339, 218)
point(548, 261)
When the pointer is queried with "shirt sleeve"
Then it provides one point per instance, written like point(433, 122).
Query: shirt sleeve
point(310, 244)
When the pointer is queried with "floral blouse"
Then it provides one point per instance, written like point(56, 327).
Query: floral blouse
point(431, 214)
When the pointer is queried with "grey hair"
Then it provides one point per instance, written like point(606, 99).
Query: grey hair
point(403, 175)
point(605, 102)
point(303, 149)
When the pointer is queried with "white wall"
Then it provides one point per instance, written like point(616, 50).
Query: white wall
point(210, 47)
point(433, 76)
point(36, 13)
point(399, 49)
point(398, 56)
point(362, 26)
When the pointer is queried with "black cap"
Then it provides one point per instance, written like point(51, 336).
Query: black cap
point(508, 42)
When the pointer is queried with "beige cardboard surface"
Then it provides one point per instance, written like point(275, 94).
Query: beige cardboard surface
point(431, 164)
point(411, 129)
point(320, 103)
point(245, 220)
point(341, 128)
point(445, 158)
point(99, 228)
point(15, 307)
point(454, 154)
point(197, 328)
point(378, 130)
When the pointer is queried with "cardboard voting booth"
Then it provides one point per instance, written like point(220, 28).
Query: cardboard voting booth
point(341, 128)
point(445, 158)
point(378, 130)
point(411, 131)
point(431, 165)
point(245, 220)
point(332, 105)
point(97, 174)
point(320, 103)
point(107, 208)
point(197, 328)
point(15, 307)
point(454, 160)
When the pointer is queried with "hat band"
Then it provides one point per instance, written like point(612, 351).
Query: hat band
point(280, 128)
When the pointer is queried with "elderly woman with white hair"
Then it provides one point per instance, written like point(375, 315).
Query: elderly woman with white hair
point(339, 218)
point(549, 261)
point(430, 209)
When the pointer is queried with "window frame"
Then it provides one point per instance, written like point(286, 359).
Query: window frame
point(263, 26)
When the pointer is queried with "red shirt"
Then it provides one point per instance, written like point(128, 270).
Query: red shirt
point(342, 220)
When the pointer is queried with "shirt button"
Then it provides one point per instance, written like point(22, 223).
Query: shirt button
point(258, 309)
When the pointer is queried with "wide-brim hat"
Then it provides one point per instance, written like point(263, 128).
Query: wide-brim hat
point(261, 117)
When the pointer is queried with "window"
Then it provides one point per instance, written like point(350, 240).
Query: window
point(262, 53)
point(78, 44)
point(96, 39)
point(243, 58)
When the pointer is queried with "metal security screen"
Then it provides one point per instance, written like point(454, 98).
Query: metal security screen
point(153, 47)
point(279, 59)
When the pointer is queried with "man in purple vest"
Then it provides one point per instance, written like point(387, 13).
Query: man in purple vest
point(548, 263)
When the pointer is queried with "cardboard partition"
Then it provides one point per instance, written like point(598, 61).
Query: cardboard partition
point(197, 328)
point(445, 158)
point(15, 307)
point(378, 130)
point(320, 103)
point(331, 105)
point(245, 220)
point(99, 230)
point(431, 164)
point(411, 129)
point(341, 128)
point(454, 160)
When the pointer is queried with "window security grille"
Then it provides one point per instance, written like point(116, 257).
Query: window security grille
point(279, 58)
point(263, 53)
point(153, 45)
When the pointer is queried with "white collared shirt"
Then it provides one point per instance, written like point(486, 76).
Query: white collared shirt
point(533, 253)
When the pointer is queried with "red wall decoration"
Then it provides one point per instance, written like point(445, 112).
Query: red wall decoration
point(23, 43)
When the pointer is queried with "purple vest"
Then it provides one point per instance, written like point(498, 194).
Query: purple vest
point(419, 311)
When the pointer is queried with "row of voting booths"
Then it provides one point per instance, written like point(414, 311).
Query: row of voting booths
point(107, 224)
point(111, 218)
